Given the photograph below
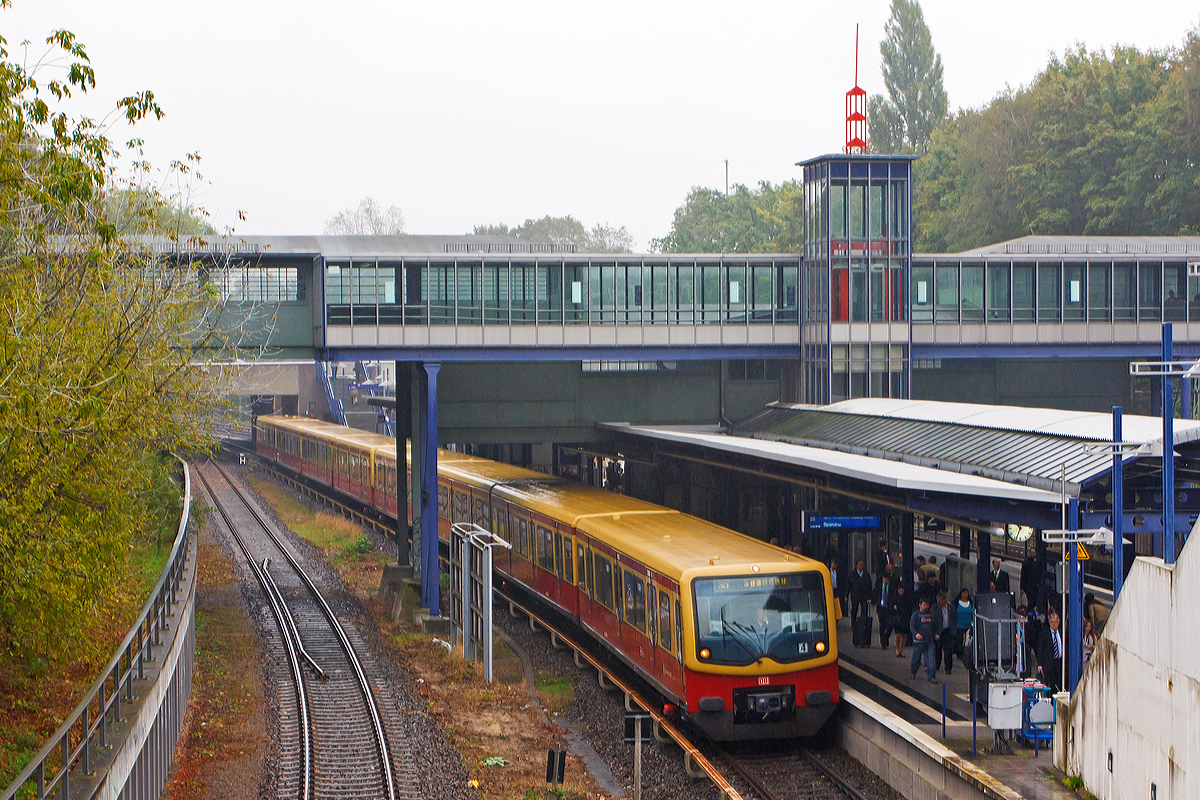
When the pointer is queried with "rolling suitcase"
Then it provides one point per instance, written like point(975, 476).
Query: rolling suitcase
point(861, 633)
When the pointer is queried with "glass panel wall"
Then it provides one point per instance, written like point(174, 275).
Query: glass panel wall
point(972, 292)
point(1049, 297)
point(1149, 291)
point(1124, 291)
point(947, 293)
point(1175, 292)
point(1099, 292)
point(998, 292)
point(1074, 297)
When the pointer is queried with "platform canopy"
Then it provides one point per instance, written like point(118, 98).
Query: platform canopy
point(1008, 444)
point(875, 470)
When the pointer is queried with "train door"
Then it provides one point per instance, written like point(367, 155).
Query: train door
point(568, 596)
point(546, 580)
point(582, 593)
point(635, 642)
point(501, 556)
point(667, 650)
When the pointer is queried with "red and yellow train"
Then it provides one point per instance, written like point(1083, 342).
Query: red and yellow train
point(739, 634)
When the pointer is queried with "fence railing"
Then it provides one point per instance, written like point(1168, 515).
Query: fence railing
point(122, 734)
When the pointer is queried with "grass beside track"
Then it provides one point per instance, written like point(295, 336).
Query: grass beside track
point(37, 695)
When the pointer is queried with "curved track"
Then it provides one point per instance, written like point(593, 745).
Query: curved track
point(334, 743)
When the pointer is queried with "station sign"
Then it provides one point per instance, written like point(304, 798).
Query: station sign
point(840, 523)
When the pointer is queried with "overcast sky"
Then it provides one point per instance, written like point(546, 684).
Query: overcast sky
point(464, 113)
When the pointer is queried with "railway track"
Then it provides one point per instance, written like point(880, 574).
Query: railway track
point(334, 743)
point(795, 774)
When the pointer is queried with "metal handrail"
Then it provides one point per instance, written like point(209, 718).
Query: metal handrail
point(144, 634)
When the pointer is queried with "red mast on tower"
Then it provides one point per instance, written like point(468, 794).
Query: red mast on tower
point(856, 110)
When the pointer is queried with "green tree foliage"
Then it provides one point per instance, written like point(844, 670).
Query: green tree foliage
point(768, 219)
point(95, 361)
point(1097, 144)
point(565, 231)
point(912, 75)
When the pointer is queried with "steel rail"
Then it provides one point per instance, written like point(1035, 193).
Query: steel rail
point(291, 623)
point(306, 787)
point(356, 665)
point(691, 754)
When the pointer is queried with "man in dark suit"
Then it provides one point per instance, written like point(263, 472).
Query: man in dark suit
point(945, 622)
point(999, 578)
point(883, 597)
point(860, 590)
point(1051, 648)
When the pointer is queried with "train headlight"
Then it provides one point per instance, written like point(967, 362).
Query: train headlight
point(820, 647)
point(705, 653)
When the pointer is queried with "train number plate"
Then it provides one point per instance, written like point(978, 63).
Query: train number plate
point(764, 681)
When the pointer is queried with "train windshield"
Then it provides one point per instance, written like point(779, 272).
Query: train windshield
point(742, 619)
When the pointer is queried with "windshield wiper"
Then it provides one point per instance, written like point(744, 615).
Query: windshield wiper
point(733, 628)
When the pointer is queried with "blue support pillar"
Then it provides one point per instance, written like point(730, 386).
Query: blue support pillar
point(1168, 457)
point(1074, 602)
point(1118, 506)
point(430, 595)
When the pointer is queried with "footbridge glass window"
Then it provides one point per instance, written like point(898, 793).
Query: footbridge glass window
point(998, 291)
point(1124, 291)
point(1049, 299)
point(1074, 295)
point(1099, 292)
point(1149, 291)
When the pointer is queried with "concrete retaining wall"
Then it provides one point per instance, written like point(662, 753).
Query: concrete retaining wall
point(1139, 696)
point(911, 762)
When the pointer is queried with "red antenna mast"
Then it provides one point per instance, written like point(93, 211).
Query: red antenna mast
point(856, 110)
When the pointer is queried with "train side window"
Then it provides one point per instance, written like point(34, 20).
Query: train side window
point(558, 553)
point(461, 507)
point(482, 512)
point(523, 535)
point(604, 582)
point(579, 562)
point(635, 601)
point(545, 545)
point(568, 563)
point(664, 621)
point(443, 508)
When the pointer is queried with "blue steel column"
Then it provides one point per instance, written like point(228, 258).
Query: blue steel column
point(1168, 458)
point(1118, 506)
point(1074, 601)
point(1185, 398)
point(430, 595)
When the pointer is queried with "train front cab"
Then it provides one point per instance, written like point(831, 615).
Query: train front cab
point(760, 655)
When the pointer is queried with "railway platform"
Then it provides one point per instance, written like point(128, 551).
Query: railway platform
point(913, 708)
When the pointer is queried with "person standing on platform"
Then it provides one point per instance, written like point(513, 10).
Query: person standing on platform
point(1050, 650)
point(883, 596)
point(1095, 612)
point(1029, 581)
point(928, 590)
point(901, 611)
point(837, 589)
point(999, 578)
point(883, 559)
point(931, 568)
point(921, 626)
point(860, 591)
point(946, 619)
point(1089, 640)
point(964, 618)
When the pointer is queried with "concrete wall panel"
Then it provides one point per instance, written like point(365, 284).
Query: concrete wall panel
point(1139, 696)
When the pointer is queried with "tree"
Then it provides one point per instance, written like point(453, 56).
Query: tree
point(1098, 144)
point(96, 352)
point(366, 220)
point(564, 231)
point(768, 219)
point(912, 75)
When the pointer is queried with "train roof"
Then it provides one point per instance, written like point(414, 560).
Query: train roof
point(484, 473)
point(674, 543)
